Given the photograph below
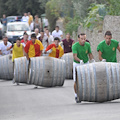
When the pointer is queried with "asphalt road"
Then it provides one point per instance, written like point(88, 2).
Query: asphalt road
point(23, 102)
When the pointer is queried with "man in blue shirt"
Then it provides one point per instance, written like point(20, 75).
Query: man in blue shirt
point(4, 22)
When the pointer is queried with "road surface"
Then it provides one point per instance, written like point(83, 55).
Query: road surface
point(26, 103)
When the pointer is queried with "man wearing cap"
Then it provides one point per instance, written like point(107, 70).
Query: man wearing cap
point(33, 48)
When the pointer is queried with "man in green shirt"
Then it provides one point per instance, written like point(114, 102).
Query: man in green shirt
point(107, 48)
point(81, 50)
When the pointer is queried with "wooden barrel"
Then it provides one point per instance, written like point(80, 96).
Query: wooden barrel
point(68, 57)
point(47, 71)
point(6, 67)
point(21, 70)
point(98, 82)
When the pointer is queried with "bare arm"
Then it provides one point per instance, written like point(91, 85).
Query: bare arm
point(100, 55)
point(118, 48)
point(76, 58)
point(26, 54)
point(23, 50)
point(91, 56)
point(0, 52)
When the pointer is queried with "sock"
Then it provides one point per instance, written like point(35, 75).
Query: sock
point(75, 95)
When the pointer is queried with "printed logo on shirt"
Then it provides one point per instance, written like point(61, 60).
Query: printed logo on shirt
point(86, 51)
point(113, 49)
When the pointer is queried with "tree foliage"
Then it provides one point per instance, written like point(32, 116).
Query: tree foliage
point(18, 7)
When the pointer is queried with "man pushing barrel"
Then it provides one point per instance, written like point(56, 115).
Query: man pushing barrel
point(107, 48)
point(81, 50)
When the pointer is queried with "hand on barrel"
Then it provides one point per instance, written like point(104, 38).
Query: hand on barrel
point(81, 62)
point(92, 61)
point(103, 60)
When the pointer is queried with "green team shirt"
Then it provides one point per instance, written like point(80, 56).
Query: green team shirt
point(108, 51)
point(81, 51)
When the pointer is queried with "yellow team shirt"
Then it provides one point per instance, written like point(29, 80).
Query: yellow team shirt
point(17, 51)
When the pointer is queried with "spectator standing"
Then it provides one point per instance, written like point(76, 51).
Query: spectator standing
point(25, 39)
point(37, 23)
point(37, 33)
point(25, 18)
point(4, 22)
point(57, 33)
point(50, 38)
point(3, 47)
point(55, 50)
point(67, 44)
point(30, 20)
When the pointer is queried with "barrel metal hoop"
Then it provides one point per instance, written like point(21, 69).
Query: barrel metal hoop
point(94, 70)
point(113, 81)
point(107, 82)
point(23, 77)
point(53, 73)
point(88, 69)
point(38, 64)
point(118, 83)
point(57, 72)
point(31, 75)
point(8, 69)
point(68, 66)
point(61, 73)
point(64, 70)
point(43, 72)
point(80, 83)
point(20, 70)
point(3, 68)
point(84, 78)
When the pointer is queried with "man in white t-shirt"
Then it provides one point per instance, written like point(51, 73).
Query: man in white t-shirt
point(4, 45)
point(50, 38)
point(57, 33)
point(25, 18)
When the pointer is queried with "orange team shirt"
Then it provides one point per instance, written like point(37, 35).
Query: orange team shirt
point(33, 50)
point(56, 52)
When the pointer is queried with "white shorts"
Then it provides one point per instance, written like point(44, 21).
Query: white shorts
point(74, 66)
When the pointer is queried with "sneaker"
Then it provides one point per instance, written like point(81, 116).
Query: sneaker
point(17, 83)
point(77, 100)
point(35, 87)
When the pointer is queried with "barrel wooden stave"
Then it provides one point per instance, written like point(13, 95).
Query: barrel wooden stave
point(99, 87)
point(21, 70)
point(47, 71)
point(68, 57)
point(6, 67)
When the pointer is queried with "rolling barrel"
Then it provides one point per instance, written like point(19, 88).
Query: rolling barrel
point(6, 67)
point(21, 70)
point(47, 71)
point(98, 82)
point(68, 57)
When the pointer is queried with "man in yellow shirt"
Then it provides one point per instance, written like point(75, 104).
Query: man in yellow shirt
point(30, 20)
point(18, 49)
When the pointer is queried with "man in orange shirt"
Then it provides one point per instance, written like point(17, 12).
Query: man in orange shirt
point(55, 50)
point(33, 48)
